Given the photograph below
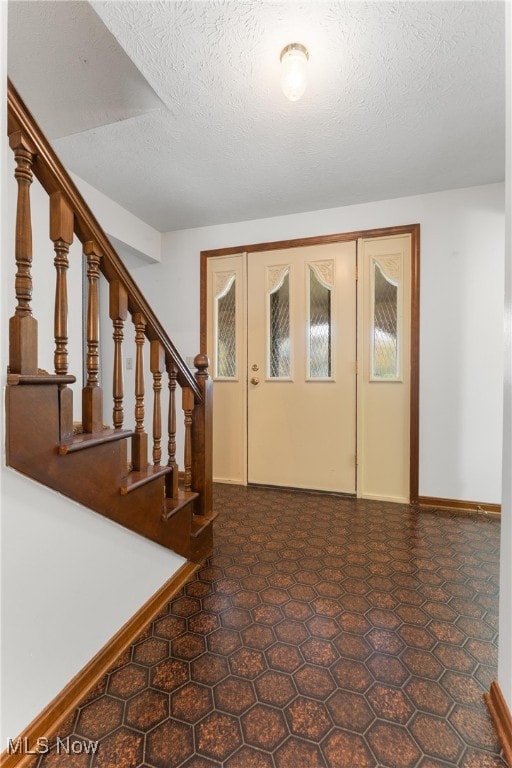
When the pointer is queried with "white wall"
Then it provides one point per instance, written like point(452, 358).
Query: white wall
point(143, 240)
point(69, 578)
point(461, 363)
point(505, 637)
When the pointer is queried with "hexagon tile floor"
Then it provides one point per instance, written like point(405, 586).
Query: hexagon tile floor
point(322, 633)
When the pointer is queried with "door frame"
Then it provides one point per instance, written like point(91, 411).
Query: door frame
point(411, 229)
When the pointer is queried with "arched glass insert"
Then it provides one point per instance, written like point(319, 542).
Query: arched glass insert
point(226, 331)
point(385, 333)
point(279, 327)
point(319, 327)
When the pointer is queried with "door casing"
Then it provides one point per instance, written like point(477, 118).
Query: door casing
point(414, 231)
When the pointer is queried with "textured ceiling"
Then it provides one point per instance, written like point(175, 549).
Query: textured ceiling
point(404, 98)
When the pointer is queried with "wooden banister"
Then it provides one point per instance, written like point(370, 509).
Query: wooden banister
point(54, 178)
point(69, 217)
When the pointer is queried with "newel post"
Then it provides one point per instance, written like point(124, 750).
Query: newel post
point(23, 326)
point(202, 439)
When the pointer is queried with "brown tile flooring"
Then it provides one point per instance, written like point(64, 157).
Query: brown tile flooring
point(321, 632)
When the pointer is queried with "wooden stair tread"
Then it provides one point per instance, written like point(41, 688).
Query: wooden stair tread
point(172, 506)
point(140, 478)
point(88, 440)
point(38, 378)
point(200, 522)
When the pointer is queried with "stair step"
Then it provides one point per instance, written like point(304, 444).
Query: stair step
point(140, 478)
point(87, 440)
point(201, 522)
point(201, 537)
point(172, 506)
point(38, 378)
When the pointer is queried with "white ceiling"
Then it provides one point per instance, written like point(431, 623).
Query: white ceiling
point(404, 98)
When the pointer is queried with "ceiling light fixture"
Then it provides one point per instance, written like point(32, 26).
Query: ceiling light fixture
point(294, 75)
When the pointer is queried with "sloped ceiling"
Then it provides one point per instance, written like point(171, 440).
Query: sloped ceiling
point(174, 109)
point(74, 72)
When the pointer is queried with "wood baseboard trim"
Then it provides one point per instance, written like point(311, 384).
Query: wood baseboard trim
point(46, 724)
point(501, 718)
point(460, 504)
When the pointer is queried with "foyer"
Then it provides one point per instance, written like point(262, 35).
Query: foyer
point(322, 632)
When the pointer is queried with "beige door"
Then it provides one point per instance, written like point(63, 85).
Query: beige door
point(301, 357)
point(282, 337)
point(384, 379)
point(227, 347)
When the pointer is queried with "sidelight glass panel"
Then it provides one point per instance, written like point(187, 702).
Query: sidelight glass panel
point(319, 328)
point(385, 357)
point(279, 325)
point(226, 332)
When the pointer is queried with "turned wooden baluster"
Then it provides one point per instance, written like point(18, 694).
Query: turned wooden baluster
point(202, 439)
point(92, 394)
point(188, 409)
point(118, 314)
point(140, 438)
point(172, 372)
point(23, 326)
point(61, 232)
point(157, 366)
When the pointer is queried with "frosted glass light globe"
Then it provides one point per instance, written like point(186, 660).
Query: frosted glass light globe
point(294, 66)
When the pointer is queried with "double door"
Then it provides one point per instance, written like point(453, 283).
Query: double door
point(310, 367)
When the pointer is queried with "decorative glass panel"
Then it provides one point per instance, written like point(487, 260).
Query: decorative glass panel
point(279, 352)
point(385, 325)
point(319, 328)
point(226, 332)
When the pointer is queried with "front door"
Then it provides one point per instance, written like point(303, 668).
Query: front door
point(285, 327)
point(301, 357)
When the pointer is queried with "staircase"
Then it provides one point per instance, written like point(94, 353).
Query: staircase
point(104, 467)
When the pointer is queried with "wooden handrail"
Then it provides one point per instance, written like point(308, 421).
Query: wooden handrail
point(52, 175)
